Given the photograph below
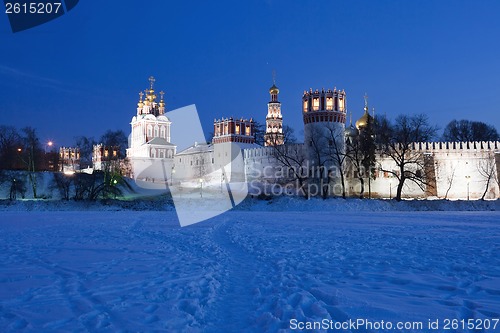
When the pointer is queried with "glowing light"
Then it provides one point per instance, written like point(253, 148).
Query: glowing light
point(329, 103)
point(316, 104)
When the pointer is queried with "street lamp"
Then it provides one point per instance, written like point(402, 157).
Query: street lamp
point(390, 187)
point(201, 187)
point(468, 183)
point(172, 171)
point(20, 160)
point(49, 144)
point(221, 181)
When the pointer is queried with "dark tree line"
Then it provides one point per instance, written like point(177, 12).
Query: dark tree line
point(23, 150)
point(466, 130)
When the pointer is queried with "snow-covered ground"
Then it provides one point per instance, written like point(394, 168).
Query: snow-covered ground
point(248, 270)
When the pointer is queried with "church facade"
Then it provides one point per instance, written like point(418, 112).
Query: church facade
point(454, 170)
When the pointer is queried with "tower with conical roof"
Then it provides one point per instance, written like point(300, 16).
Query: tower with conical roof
point(274, 121)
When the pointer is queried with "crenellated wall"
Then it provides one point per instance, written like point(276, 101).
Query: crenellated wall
point(456, 146)
point(458, 170)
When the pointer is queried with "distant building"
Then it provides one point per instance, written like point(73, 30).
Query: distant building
point(104, 157)
point(69, 159)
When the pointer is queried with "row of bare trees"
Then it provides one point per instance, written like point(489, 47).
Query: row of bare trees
point(328, 156)
point(101, 184)
point(23, 150)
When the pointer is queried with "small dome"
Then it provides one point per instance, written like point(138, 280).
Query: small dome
point(351, 131)
point(274, 90)
point(364, 120)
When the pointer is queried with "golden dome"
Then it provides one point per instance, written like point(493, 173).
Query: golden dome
point(364, 120)
point(274, 90)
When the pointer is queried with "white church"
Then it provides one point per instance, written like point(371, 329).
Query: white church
point(457, 170)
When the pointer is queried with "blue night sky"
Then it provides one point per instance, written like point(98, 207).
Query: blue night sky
point(81, 74)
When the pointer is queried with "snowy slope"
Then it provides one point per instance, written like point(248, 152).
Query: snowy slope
point(244, 271)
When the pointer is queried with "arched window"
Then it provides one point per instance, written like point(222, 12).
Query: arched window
point(329, 103)
point(315, 104)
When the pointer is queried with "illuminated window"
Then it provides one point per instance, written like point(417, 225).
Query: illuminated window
point(315, 104)
point(329, 103)
point(237, 129)
point(247, 131)
point(305, 106)
point(341, 104)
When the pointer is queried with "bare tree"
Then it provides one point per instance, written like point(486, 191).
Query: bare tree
point(449, 180)
point(290, 156)
point(115, 139)
point(466, 130)
point(85, 144)
point(360, 151)
point(31, 155)
point(336, 154)
point(487, 169)
point(315, 145)
point(62, 183)
point(15, 183)
point(10, 142)
point(259, 131)
point(398, 142)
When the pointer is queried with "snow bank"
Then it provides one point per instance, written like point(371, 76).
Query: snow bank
point(279, 204)
point(287, 203)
